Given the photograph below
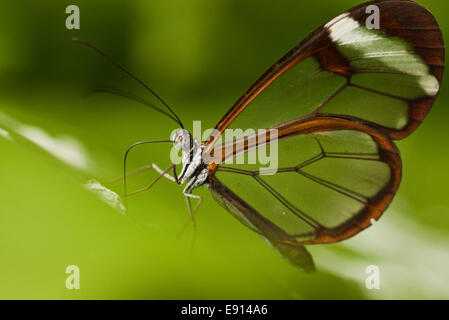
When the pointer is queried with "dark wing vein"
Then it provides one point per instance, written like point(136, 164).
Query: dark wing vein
point(300, 214)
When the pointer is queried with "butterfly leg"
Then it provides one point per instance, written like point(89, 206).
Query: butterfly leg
point(173, 178)
point(134, 172)
point(187, 193)
point(154, 166)
point(189, 196)
point(163, 173)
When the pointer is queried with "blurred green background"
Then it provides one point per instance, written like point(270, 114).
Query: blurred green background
point(200, 56)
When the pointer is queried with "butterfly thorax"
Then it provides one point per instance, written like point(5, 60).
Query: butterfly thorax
point(194, 170)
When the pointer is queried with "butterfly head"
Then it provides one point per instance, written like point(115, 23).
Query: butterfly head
point(182, 140)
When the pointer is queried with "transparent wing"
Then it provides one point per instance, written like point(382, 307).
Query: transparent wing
point(333, 177)
point(277, 238)
point(388, 78)
point(338, 99)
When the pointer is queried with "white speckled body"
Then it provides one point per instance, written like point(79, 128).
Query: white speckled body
point(194, 172)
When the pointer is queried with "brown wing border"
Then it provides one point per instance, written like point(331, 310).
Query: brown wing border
point(427, 41)
point(375, 206)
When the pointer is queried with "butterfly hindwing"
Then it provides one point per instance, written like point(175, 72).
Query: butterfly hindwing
point(334, 176)
point(277, 238)
point(344, 176)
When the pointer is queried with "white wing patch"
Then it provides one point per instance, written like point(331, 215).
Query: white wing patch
point(341, 26)
point(429, 84)
point(373, 51)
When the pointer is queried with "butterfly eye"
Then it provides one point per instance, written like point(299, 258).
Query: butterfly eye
point(181, 140)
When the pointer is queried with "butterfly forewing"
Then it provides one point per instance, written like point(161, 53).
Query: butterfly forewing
point(388, 77)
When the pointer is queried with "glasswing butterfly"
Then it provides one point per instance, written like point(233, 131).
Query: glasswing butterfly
point(337, 101)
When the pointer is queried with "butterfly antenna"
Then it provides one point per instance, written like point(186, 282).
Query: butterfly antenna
point(132, 76)
point(126, 157)
point(130, 96)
